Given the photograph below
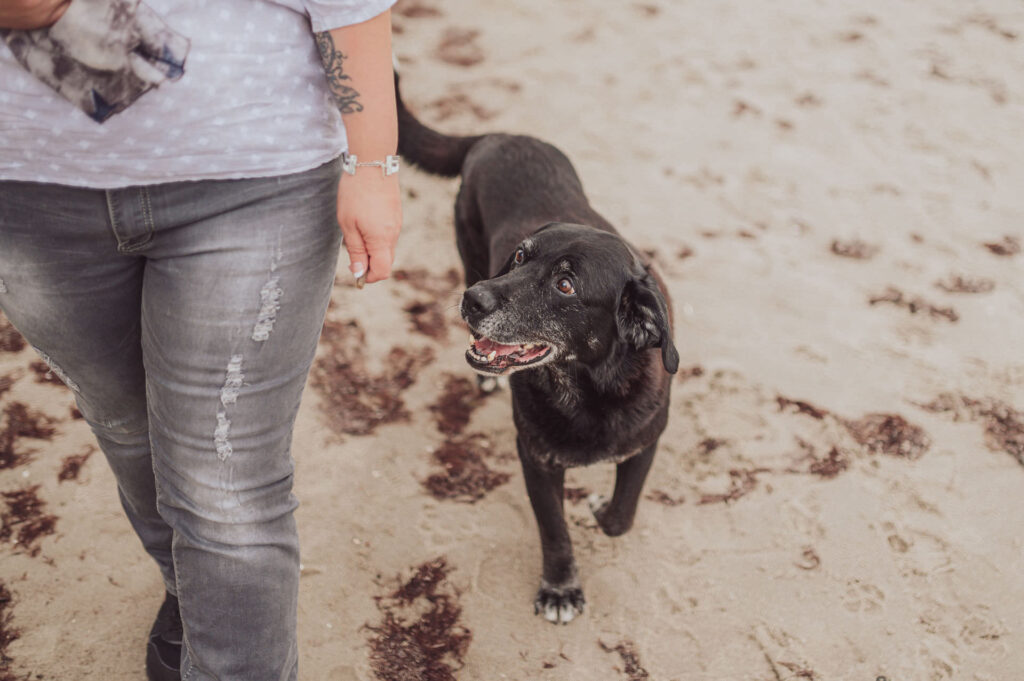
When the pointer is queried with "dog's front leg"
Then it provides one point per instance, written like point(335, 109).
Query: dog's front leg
point(615, 516)
point(560, 597)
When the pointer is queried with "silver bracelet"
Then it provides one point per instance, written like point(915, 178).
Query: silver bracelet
point(389, 166)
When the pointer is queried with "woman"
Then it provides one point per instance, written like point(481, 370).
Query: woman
point(171, 188)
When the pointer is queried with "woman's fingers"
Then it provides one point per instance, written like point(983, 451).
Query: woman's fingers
point(357, 254)
point(370, 215)
point(381, 260)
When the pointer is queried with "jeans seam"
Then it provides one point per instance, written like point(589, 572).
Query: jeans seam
point(185, 674)
point(147, 211)
point(147, 219)
point(112, 204)
point(126, 245)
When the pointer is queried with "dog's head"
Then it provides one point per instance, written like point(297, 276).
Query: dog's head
point(568, 292)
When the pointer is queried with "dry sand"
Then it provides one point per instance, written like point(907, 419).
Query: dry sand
point(787, 534)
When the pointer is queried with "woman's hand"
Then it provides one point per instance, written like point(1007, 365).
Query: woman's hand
point(370, 216)
point(29, 14)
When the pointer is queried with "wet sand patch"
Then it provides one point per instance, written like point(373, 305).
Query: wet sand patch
point(1004, 425)
point(1005, 247)
point(420, 637)
point(960, 283)
point(427, 315)
point(466, 477)
point(630, 659)
point(914, 305)
point(24, 522)
point(889, 434)
point(21, 421)
point(356, 402)
point(72, 464)
point(10, 339)
point(854, 249)
point(8, 635)
point(456, 403)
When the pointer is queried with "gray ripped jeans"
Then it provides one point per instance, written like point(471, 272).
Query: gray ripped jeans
point(185, 317)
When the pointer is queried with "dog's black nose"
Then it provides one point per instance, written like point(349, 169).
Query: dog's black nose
point(478, 300)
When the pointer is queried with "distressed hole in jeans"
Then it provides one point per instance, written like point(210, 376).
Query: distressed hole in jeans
point(57, 370)
point(270, 303)
point(3, 286)
point(233, 382)
point(220, 436)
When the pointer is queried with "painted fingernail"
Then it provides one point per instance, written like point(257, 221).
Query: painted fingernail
point(358, 271)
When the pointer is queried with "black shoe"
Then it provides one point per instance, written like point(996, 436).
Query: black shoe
point(163, 652)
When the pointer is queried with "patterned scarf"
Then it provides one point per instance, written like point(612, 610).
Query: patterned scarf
point(102, 55)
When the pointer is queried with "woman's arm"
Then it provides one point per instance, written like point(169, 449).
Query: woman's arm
point(29, 14)
point(357, 61)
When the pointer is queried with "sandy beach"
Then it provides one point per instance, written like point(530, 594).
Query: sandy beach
point(832, 192)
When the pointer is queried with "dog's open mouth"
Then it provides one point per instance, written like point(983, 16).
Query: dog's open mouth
point(491, 356)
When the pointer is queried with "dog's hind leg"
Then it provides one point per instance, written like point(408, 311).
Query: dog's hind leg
point(615, 516)
point(560, 597)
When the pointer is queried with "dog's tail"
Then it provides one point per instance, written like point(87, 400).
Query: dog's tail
point(432, 151)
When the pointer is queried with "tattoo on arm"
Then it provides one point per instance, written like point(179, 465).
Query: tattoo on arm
point(345, 97)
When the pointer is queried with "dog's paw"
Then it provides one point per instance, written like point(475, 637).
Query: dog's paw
point(598, 503)
point(609, 525)
point(488, 384)
point(559, 605)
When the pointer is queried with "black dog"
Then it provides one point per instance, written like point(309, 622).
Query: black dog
point(559, 300)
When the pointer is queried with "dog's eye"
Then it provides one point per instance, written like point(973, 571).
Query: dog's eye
point(519, 257)
point(565, 286)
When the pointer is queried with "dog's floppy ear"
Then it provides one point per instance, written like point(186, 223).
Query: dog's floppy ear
point(642, 318)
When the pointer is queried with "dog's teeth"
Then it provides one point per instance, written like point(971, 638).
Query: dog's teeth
point(472, 340)
point(491, 355)
point(528, 346)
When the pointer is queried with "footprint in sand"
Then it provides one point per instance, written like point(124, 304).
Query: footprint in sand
point(861, 597)
point(983, 635)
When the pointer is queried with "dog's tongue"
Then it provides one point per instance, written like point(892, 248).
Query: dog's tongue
point(485, 346)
